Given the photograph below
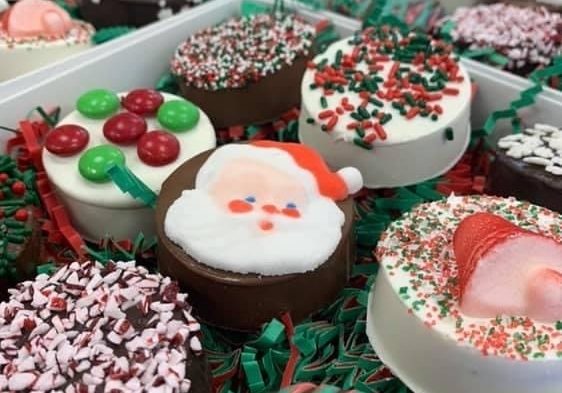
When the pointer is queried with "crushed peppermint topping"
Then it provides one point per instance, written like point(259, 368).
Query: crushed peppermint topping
point(540, 145)
point(242, 50)
point(526, 35)
point(417, 255)
point(88, 327)
point(81, 33)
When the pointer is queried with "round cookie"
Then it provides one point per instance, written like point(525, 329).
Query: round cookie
point(395, 107)
point(101, 328)
point(253, 223)
point(246, 70)
point(150, 133)
point(528, 166)
point(417, 309)
point(34, 33)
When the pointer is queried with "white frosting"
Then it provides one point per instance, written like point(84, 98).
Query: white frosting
point(541, 145)
point(63, 171)
point(414, 150)
point(428, 362)
point(201, 223)
point(413, 313)
point(19, 58)
point(23, 59)
point(102, 208)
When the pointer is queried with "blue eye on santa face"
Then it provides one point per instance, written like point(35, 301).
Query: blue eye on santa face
point(291, 205)
point(250, 199)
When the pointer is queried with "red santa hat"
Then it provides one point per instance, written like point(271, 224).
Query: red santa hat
point(335, 185)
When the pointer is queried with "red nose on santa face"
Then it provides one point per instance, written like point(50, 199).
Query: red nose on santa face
point(266, 225)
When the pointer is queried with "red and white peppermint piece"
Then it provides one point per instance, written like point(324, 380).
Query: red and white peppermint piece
point(57, 303)
point(21, 381)
point(77, 317)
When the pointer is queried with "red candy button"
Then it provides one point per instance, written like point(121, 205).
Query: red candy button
point(18, 188)
point(21, 215)
point(124, 128)
point(143, 101)
point(67, 140)
point(157, 148)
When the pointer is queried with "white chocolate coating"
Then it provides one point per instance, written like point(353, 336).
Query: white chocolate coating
point(415, 324)
point(429, 362)
point(98, 209)
point(415, 150)
point(18, 58)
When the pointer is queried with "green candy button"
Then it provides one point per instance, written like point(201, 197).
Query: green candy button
point(178, 115)
point(95, 162)
point(98, 104)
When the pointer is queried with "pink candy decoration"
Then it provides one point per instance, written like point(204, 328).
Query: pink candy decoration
point(34, 18)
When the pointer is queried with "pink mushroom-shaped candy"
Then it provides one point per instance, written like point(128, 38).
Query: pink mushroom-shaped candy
point(35, 18)
point(504, 269)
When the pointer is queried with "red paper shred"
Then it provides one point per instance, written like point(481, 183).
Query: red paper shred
point(322, 25)
point(469, 175)
point(294, 354)
point(28, 145)
point(31, 139)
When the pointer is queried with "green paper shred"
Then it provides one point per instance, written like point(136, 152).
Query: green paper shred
point(168, 83)
point(73, 10)
point(478, 53)
point(526, 98)
point(249, 8)
point(131, 184)
point(499, 59)
point(110, 33)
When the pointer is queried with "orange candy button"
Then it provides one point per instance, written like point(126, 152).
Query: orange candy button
point(271, 209)
point(293, 213)
point(239, 206)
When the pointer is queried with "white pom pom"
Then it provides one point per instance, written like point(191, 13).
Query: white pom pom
point(352, 178)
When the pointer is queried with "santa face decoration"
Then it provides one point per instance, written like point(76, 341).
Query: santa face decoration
point(266, 208)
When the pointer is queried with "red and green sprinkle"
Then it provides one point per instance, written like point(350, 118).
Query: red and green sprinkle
point(422, 73)
point(242, 51)
point(417, 253)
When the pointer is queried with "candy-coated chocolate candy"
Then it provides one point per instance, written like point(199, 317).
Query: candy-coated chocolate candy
point(178, 115)
point(158, 148)
point(124, 128)
point(95, 162)
point(144, 102)
point(67, 140)
point(98, 104)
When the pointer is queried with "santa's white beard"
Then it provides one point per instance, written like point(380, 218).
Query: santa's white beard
point(235, 242)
